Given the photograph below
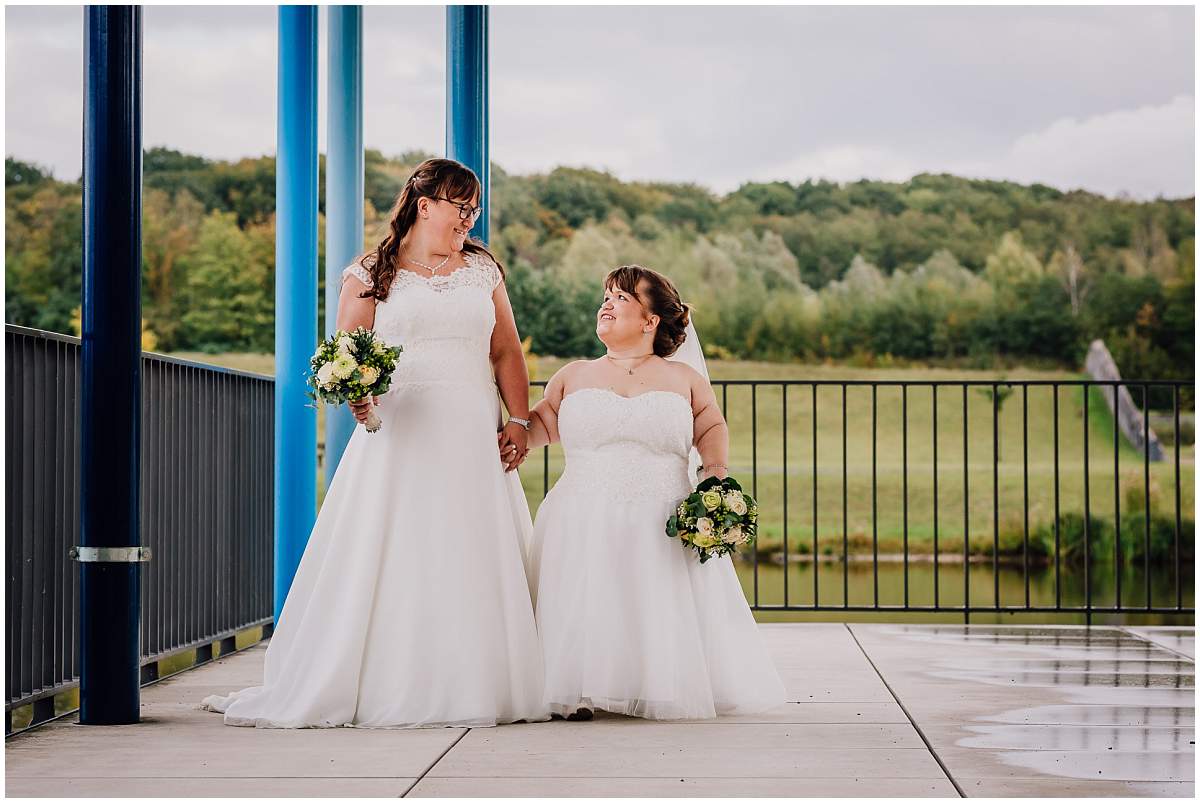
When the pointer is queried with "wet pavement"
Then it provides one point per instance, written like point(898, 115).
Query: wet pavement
point(875, 710)
point(1047, 711)
point(1180, 640)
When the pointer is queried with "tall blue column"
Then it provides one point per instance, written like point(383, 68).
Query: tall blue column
point(344, 192)
point(111, 388)
point(295, 291)
point(467, 99)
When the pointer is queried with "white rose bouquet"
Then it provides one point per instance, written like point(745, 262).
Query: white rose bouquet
point(715, 519)
point(349, 366)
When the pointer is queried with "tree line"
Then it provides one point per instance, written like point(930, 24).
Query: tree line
point(939, 268)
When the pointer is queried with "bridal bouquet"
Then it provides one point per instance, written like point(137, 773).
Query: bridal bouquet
point(349, 366)
point(715, 519)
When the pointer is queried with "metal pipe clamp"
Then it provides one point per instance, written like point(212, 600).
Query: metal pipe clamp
point(109, 554)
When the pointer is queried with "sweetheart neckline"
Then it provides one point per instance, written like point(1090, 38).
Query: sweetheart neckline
point(612, 392)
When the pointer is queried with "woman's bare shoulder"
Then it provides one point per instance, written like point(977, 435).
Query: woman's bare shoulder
point(572, 370)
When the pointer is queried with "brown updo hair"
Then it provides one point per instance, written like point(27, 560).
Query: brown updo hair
point(661, 298)
point(432, 178)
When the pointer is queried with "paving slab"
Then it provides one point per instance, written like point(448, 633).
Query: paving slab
point(1061, 705)
point(1098, 714)
point(825, 713)
point(1043, 788)
point(208, 787)
point(966, 764)
point(185, 746)
point(840, 686)
point(176, 739)
point(1094, 738)
point(1018, 711)
point(1177, 639)
point(825, 647)
point(621, 747)
point(682, 787)
point(233, 671)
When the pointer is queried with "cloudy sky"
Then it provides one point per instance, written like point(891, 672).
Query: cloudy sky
point(1100, 98)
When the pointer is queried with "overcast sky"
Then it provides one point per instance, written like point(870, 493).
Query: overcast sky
point(1099, 98)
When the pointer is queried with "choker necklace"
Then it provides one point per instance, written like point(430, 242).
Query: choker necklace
point(630, 370)
point(432, 269)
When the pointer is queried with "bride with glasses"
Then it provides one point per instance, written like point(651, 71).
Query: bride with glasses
point(410, 606)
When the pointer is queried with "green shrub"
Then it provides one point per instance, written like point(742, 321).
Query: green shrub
point(1071, 533)
point(1162, 538)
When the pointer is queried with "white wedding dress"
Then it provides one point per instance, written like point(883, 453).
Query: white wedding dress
point(411, 606)
point(630, 621)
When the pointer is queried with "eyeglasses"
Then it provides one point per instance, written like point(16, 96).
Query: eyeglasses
point(465, 211)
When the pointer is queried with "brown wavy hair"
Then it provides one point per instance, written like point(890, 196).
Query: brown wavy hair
point(661, 298)
point(433, 178)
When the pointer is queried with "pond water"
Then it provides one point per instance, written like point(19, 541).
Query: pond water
point(862, 586)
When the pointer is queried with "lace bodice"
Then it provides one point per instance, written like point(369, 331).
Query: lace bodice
point(627, 447)
point(443, 323)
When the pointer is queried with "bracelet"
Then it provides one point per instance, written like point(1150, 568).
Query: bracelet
point(715, 465)
point(512, 419)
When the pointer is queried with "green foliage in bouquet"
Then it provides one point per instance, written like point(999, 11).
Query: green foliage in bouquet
point(349, 366)
point(715, 519)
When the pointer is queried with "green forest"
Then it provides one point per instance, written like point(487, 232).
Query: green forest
point(938, 270)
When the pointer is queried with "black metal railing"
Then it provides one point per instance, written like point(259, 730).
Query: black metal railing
point(206, 510)
point(955, 423)
point(809, 451)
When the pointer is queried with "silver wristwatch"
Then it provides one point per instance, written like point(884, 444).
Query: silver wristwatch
point(512, 419)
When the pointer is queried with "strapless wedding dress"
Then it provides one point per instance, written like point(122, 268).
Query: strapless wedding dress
point(631, 622)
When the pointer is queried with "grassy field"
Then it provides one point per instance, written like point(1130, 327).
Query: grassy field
point(997, 496)
point(868, 483)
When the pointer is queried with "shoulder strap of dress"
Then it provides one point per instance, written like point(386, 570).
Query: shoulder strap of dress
point(488, 264)
point(358, 272)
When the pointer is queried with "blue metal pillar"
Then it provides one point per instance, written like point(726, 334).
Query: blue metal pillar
point(344, 192)
point(467, 99)
point(111, 390)
point(295, 292)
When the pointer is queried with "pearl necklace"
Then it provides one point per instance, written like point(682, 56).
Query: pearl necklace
point(432, 269)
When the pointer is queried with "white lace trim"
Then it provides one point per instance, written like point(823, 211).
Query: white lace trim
point(478, 270)
point(358, 272)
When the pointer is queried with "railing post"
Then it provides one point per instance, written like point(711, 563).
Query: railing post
point(343, 192)
point(111, 384)
point(295, 292)
point(467, 99)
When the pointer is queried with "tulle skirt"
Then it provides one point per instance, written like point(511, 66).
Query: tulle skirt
point(410, 606)
point(631, 622)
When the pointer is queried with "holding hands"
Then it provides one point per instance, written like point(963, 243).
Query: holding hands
point(513, 441)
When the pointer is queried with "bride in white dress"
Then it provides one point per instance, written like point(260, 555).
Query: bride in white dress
point(410, 606)
point(630, 622)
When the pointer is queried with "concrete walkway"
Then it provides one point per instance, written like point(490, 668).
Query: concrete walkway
point(876, 710)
